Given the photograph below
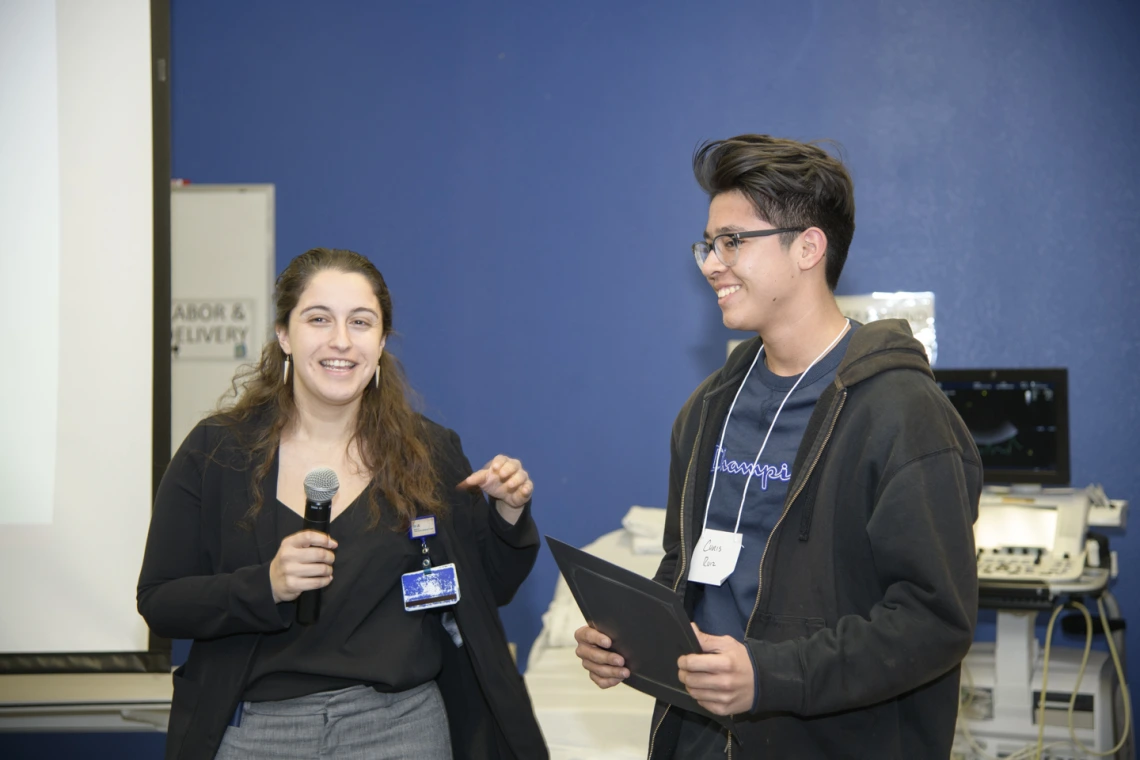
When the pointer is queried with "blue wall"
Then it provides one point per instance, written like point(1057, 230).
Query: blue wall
point(519, 171)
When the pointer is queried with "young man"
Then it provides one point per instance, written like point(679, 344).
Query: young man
point(822, 496)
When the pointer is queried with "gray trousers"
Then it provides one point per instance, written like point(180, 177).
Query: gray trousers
point(357, 723)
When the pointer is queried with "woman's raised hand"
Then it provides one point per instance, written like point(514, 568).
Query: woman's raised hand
point(503, 479)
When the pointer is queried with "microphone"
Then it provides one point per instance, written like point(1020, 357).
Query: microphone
point(321, 485)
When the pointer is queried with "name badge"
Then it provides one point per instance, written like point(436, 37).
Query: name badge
point(424, 590)
point(422, 527)
point(715, 556)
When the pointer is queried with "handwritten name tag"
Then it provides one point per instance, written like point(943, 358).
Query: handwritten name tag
point(715, 556)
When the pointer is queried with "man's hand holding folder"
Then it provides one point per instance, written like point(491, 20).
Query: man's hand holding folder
point(721, 680)
point(638, 632)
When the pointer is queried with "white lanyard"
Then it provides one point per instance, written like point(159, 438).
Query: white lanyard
point(720, 446)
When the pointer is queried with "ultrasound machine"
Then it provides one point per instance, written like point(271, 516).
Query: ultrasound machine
point(1035, 553)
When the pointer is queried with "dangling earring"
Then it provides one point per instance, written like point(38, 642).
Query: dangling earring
point(376, 382)
point(285, 374)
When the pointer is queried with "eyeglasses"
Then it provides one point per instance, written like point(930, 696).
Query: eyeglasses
point(727, 246)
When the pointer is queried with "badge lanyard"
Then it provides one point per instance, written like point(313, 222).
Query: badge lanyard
point(717, 550)
point(431, 586)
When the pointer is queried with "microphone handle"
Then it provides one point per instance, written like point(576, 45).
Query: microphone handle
point(309, 602)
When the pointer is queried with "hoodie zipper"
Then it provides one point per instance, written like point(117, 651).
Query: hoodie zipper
point(684, 562)
point(788, 507)
point(685, 490)
point(760, 580)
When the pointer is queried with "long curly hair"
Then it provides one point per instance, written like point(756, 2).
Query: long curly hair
point(389, 436)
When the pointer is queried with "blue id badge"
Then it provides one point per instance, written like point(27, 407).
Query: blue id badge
point(436, 587)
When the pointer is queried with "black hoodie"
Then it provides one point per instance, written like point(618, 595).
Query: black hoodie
point(868, 585)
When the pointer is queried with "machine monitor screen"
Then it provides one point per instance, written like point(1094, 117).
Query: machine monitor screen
point(1019, 419)
point(1007, 525)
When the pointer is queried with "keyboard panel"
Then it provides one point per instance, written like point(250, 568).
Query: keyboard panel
point(1029, 565)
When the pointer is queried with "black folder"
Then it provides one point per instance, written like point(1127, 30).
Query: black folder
point(645, 621)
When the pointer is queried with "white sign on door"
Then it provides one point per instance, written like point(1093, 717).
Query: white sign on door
point(206, 328)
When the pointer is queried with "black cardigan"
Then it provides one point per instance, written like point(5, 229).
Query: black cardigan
point(205, 577)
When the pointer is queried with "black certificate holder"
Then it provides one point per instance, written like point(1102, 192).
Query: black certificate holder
point(645, 621)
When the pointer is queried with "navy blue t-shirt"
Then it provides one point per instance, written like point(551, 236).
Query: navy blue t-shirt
point(724, 610)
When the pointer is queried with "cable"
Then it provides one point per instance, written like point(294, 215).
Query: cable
point(1023, 753)
point(1036, 750)
point(1045, 674)
point(1077, 743)
point(1119, 674)
point(963, 706)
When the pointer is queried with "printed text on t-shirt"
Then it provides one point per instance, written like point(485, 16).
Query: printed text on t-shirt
point(764, 472)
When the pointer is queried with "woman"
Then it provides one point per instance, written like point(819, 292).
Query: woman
point(227, 556)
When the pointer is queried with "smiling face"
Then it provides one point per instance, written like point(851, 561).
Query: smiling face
point(755, 289)
point(336, 337)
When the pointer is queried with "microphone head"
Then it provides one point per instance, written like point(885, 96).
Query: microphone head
point(321, 484)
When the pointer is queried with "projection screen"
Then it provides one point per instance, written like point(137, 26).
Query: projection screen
point(79, 221)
